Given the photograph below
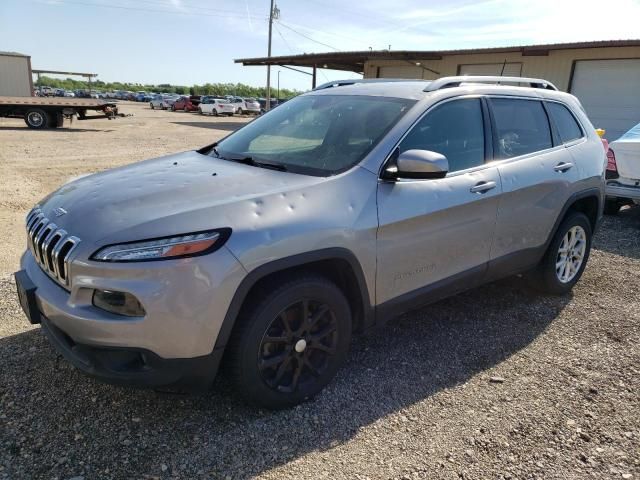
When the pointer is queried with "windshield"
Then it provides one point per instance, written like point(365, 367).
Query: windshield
point(316, 134)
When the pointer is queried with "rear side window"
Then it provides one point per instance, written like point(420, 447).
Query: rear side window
point(455, 129)
point(522, 127)
point(566, 123)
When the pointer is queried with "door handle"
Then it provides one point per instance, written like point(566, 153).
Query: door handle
point(563, 166)
point(482, 187)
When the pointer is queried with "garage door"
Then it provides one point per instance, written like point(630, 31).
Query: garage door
point(609, 90)
point(511, 69)
point(405, 71)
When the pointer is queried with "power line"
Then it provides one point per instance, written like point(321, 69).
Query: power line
point(284, 40)
point(308, 37)
point(149, 10)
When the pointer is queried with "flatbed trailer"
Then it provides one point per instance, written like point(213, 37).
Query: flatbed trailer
point(50, 112)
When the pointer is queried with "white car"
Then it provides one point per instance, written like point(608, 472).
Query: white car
point(216, 106)
point(623, 171)
point(69, 93)
point(245, 105)
point(156, 101)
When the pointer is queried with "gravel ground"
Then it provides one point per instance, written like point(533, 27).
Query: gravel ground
point(496, 383)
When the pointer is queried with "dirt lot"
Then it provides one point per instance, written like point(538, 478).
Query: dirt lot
point(497, 383)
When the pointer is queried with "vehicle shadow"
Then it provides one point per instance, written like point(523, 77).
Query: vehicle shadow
point(134, 433)
point(620, 234)
point(227, 126)
point(55, 130)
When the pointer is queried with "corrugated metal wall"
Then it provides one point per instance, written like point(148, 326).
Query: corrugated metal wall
point(15, 76)
point(555, 67)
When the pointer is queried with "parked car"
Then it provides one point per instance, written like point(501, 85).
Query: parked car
point(156, 101)
point(215, 106)
point(186, 103)
point(338, 210)
point(245, 105)
point(263, 103)
point(142, 96)
point(623, 171)
point(69, 93)
point(46, 91)
point(168, 101)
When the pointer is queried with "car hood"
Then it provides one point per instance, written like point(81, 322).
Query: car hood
point(176, 194)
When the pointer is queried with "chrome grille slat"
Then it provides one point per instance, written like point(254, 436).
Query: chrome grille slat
point(47, 243)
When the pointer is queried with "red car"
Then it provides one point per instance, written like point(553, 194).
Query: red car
point(186, 103)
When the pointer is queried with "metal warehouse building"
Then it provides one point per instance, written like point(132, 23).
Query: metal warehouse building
point(604, 75)
point(15, 75)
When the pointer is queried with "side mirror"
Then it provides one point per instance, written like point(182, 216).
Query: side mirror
point(419, 164)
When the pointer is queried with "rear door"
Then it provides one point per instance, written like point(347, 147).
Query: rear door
point(537, 173)
point(437, 233)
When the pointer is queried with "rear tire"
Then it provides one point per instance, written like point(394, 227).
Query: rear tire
point(215, 112)
point(289, 342)
point(152, 107)
point(37, 119)
point(565, 258)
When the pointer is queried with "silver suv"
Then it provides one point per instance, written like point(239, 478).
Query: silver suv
point(334, 212)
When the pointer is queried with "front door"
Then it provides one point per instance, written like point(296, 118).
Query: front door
point(437, 233)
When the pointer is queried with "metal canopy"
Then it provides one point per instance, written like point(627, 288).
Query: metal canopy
point(354, 61)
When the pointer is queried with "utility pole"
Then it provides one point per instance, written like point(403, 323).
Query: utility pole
point(273, 13)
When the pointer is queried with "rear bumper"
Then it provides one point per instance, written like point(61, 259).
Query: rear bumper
point(134, 366)
point(619, 190)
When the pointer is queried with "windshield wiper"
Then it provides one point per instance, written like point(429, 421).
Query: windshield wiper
point(256, 163)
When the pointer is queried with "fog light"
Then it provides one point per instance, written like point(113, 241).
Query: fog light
point(120, 303)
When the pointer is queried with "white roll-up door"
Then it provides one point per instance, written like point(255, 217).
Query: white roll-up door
point(402, 71)
point(609, 90)
point(509, 69)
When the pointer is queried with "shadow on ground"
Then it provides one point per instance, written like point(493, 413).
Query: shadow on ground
point(55, 130)
point(620, 234)
point(227, 126)
point(59, 418)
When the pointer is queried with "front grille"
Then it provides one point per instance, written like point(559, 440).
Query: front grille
point(50, 246)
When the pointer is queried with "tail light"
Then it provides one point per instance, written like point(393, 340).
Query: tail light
point(611, 161)
point(612, 167)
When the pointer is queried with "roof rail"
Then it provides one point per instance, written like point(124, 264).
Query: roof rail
point(354, 81)
point(448, 82)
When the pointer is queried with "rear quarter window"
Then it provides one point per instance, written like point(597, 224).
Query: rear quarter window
point(568, 127)
point(522, 127)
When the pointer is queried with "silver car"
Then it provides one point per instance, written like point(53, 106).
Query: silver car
point(333, 213)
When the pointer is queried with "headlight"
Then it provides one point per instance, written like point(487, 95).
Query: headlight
point(193, 244)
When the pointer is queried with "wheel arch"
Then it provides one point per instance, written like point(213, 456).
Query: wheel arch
point(340, 265)
point(587, 201)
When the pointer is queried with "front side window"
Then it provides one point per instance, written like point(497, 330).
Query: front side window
point(455, 129)
point(566, 123)
point(521, 127)
point(316, 134)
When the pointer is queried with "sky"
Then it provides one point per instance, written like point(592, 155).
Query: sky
point(188, 42)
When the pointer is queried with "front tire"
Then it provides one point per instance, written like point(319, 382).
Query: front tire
point(290, 341)
point(565, 258)
point(37, 119)
point(152, 107)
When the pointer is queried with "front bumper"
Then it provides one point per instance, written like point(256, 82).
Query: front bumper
point(134, 366)
point(185, 301)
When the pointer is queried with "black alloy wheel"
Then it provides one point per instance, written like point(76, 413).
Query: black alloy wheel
point(289, 341)
point(298, 345)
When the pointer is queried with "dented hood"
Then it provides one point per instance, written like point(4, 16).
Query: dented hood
point(176, 194)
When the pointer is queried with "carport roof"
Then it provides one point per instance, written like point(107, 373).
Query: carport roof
point(354, 61)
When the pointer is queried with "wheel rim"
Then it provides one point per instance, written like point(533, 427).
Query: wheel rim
point(298, 345)
point(571, 254)
point(35, 118)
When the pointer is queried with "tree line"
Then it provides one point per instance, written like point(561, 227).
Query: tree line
point(239, 89)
